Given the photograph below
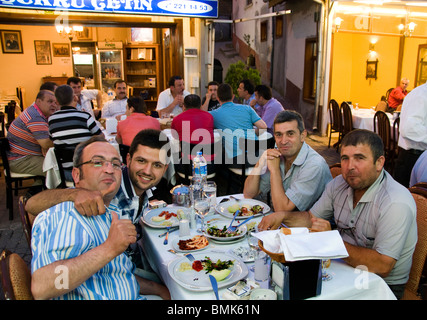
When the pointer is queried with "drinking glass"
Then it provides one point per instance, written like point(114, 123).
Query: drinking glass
point(209, 190)
point(325, 264)
point(201, 206)
point(253, 247)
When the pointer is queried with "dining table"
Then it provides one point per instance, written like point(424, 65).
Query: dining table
point(364, 118)
point(346, 283)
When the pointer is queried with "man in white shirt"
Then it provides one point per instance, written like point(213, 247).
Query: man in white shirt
point(85, 97)
point(117, 106)
point(413, 133)
point(172, 99)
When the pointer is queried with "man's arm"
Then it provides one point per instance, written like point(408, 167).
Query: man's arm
point(177, 101)
point(43, 283)
point(45, 144)
point(289, 218)
point(87, 202)
point(252, 182)
point(154, 288)
point(99, 99)
point(205, 105)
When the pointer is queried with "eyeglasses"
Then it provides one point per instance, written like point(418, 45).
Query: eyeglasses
point(99, 162)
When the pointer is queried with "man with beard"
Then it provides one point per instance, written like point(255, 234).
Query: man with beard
point(146, 164)
point(117, 106)
point(374, 214)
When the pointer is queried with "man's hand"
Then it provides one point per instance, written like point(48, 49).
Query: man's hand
point(272, 221)
point(319, 224)
point(88, 203)
point(179, 100)
point(122, 233)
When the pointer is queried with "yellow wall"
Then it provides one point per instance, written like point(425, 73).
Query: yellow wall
point(350, 53)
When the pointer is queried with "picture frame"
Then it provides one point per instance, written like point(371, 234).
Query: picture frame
point(43, 53)
point(86, 34)
point(371, 69)
point(61, 49)
point(11, 41)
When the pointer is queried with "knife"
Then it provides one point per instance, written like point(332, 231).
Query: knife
point(167, 236)
point(170, 231)
point(214, 285)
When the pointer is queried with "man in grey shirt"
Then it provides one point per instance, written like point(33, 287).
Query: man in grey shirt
point(294, 173)
point(375, 215)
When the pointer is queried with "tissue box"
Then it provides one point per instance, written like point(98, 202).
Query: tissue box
point(297, 280)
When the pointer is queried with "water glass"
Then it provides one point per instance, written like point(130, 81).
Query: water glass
point(262, 266)
point(184, 224)
point(209, 190)
point(201, 206)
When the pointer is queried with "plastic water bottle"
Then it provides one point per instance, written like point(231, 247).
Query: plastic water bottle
point(200, 171)
point(110, 94)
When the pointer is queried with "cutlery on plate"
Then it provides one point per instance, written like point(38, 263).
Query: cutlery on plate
point(232, 229)
point(170, 231)
point(234, 198)
point(234, 217)
point(190, 257)
point(167, 236)
point(214, 285)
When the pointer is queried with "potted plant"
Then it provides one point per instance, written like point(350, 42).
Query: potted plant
point(250, 61)
point(239, 71)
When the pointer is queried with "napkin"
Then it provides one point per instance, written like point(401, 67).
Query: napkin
point(271, 240)
point(315, 245)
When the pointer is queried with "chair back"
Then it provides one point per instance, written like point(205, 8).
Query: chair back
point(124, 150)
point(387, 94)
point(335, 170)
point(381, 106)
point(4, 147)
point(2, 131)
point(10, 111)
point(383, 128)
point(420, 185)
point(335, 115)
point(396, 125)
point(62, 156)
point(420, 253)
point(347, 118)
point(25, 220)
point(15, 277)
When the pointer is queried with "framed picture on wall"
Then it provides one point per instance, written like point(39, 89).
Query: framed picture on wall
point(42, 49)
point(371, 69)
point(86, 34)
point(61, 49)
point(11, 41)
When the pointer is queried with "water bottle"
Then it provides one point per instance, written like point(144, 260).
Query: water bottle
point(200, 171)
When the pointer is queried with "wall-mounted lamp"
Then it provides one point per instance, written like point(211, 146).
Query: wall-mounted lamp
point(338, 22)
point(68, 32)
point(407, 29)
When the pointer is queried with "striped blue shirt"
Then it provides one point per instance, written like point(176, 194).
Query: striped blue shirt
point(61, 233)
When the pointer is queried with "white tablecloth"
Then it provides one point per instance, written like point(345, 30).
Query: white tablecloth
point(364, 118)
point(347, 282)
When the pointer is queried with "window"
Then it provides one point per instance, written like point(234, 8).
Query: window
point(310, 69)
point(279, 26)
point(264, 31)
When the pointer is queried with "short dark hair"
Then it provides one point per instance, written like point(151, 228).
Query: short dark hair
point(151, 138)
point(64, 95)
point(172, 80)
point(248, 85)
point(290, 115)
point(49, 85)
point(192, 101)
point(225, 92)
point(138, 104)
point(264, 91)
point(213, 83)
point(365, 137)
point(78, 151)
point(118, 82)
point(75, 80)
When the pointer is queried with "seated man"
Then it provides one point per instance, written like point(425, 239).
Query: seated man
point(210, 101)
point(246, 91)
point(116, 107)
point(395, 99)
point(375, 215)
point(419, 171)
point(28, 135)
point(267, 106)
point(68, 126)
point(136, 120)
point(85, 97)
point(90, 251)
point(170, 101)
point(296, 175)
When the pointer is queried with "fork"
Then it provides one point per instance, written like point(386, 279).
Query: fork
point(190, 257)
point(234, 217)
point(232, 229)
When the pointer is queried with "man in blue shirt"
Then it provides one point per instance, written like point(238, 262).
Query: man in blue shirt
point(83, 257)
point(234, 120)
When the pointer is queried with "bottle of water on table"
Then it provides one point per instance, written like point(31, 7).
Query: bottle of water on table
point(200, 171)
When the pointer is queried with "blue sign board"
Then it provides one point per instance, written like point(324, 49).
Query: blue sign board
point(186, 8)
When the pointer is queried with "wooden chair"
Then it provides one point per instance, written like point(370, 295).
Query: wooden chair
point(2, 130)
point(13, 180)
point(412, 289)
point(335, 121)
point(387, 94)
point(15, 277)
point(381, 106)
point(63, 155)
point(26, 220)
point(335, 170)
point(347, 124)
point(383, 128)
point(396, 125)
point(420, 185)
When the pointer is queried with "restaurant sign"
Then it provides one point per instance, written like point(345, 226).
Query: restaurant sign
point(188, 8)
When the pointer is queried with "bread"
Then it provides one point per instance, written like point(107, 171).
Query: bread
point(286, 231)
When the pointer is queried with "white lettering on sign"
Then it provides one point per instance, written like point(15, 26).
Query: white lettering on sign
point(184, 6)
point(74, 3)
point(44, 3)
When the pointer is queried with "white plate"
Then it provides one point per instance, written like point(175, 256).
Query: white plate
point(199, 281)
point(220, 224)
point(244, 253)
point(147, 218)
point(222, 208)
point(175, 245)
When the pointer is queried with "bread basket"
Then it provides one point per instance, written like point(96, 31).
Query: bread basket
point(279, 257)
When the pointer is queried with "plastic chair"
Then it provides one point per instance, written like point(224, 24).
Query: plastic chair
point(383, 128)
point(13, 180)
point(412, 288)
point(15, 277)
point(335, 120)
point(335, 170)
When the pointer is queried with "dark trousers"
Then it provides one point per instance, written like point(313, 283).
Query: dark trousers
point(404, 164)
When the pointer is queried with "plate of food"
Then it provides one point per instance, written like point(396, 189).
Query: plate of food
point(194, 276)
point(162, 217)
point(246, 207)
point(217, 230)
point(190, 244)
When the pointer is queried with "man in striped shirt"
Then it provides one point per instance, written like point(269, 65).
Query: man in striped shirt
point(81, 257)
point(29, 135)
point(69, 126)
